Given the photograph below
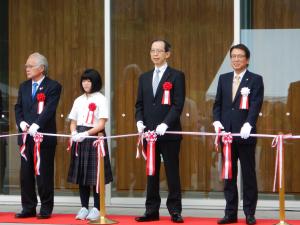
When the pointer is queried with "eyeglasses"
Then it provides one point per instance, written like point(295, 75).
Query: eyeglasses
point(237, 56)
point(30, 66)
point(153, 51)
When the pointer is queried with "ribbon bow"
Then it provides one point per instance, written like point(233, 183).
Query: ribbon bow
point(167, 86)
point(38, 138)
point(91, 113)
point(140, 149)
point(151, 138)
point(99, 144)
point(278, 143)
point(41, 97)
point(23, 146)
point(227, 163)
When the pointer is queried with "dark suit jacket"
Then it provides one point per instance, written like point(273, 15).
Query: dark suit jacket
point(293, 107)
point(149, 108)
point(26, 108)
point(227, 111)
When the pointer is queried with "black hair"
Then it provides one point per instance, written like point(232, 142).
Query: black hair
point(242, 47)
point(167, 44)
point(94, 77)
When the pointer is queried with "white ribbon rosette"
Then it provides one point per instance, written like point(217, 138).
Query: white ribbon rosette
point(244, 103)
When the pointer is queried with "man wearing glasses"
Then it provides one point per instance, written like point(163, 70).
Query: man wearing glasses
point(237, 105)
point(35, 111)
point(159, 104)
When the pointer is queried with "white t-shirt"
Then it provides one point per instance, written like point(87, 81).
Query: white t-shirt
point(82, 114)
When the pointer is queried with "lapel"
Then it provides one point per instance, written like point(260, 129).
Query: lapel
point(163, 79)
point(228, 85)
point(243, 83)
point(28, 91)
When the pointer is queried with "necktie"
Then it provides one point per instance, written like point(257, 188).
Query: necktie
point(34, 89)
point(235, 85)
point(155, 81)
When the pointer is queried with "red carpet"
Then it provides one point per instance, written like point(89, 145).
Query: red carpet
point(128, 220)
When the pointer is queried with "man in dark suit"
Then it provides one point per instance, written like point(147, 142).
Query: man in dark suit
point(32, 117)
point(232, 116)
point(154, 113)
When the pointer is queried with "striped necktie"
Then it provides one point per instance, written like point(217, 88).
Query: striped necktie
point(155, 81)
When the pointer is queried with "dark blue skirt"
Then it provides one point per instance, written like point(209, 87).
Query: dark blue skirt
point(83, 168)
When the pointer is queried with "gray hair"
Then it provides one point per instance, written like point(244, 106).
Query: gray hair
point(42, 61)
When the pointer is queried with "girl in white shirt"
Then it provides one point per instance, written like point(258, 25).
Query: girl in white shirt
point(88, 117)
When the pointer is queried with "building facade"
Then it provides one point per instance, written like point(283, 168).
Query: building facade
point(114, 36)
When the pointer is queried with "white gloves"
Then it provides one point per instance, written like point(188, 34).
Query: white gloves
point(245, 130)
point(80, 136)
point(33, 129)
point(24, 126)
point(218, 126)
point(140, 126)
point(161, 129)
point(74, 133)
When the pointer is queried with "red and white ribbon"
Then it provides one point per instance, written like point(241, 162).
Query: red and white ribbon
point(41, 102)
point(278, 143)
point(151, 138)
point(23, 146)
point(70, 142)
point(244, 103)
point(166, 100)
point(140, 149)
point(91, 114)
point(38, 138)
point(227, 162)
point(217, 140)
point(40, 107)
point(99, 144)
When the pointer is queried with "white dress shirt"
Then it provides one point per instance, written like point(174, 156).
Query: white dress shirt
point(80, 109)
point(162, 69)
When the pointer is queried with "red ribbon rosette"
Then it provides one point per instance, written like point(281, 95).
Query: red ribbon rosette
point(151, 138)
point(91, 114)
point(227, 163)
point(167, 86)
point(38, 138)
point(41, 97)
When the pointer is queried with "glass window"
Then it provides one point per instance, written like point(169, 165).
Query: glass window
point(200, 32)
point(70, 35)
point(273, 39)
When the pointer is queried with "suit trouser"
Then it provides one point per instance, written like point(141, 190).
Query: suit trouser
point(45, 181)
point(246, 154)
point(170, 153)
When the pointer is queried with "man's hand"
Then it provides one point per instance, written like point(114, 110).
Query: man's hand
point(245, 130)
point(218, 126)
point(24, 126)
point(140, 126)
point(161, 129)
point(33, 129)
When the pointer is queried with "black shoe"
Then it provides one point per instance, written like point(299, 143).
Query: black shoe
point(228, 219)
point(25, 214)
point(250, 220)
point(43, 216)
point(148, 217)
point(176, 218)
